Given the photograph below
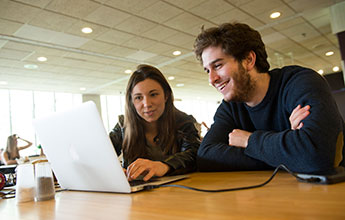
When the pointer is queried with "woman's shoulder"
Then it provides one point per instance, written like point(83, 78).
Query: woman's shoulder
point(4, 154)
point(185, 122)
point(182, 116)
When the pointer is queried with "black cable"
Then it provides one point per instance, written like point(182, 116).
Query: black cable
point(228, 189)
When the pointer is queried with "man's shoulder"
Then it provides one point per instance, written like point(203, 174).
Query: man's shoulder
point(226, 105)
point(294, 73)
point(292, 70)
point(229, 109)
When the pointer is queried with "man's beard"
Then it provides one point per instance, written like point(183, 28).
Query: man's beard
point(244, 85)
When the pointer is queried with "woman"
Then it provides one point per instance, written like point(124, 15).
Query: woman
point(11, 153)
point(157, 138)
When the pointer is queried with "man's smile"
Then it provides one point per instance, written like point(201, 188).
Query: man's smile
point(221, 86)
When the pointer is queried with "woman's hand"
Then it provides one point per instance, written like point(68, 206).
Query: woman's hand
point(147, 168)
point(297, 115)
point(125, 171)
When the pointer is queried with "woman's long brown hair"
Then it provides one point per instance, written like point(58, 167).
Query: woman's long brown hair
point(134, 139)
point(12, 148)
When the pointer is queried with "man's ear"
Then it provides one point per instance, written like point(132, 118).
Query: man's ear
point(250, 60)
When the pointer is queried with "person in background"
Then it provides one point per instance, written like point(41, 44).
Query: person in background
point(11, 154)
point(119, 127)
point(121, 121)
point(267, 118)
point(157, 138)
point(1, 150)
point(205, 125)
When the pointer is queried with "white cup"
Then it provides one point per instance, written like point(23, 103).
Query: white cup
point(25, 183)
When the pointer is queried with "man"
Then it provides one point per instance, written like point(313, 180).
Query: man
point(284, 116)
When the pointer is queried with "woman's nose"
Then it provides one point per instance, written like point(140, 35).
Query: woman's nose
point(146, 101)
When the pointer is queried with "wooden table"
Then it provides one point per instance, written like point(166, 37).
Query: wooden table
point(283, 198)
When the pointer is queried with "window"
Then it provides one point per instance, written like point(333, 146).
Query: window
point(20, 107)
point(202, 111)
point(5, 127)
point(64, 101)
point(112, 107)
point(44, 103)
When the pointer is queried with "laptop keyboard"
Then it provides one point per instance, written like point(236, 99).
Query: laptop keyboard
point(139, 182)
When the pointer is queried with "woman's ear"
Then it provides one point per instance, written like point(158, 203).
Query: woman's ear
point(166, 96)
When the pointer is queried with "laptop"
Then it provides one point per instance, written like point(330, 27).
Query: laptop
point(81, 153)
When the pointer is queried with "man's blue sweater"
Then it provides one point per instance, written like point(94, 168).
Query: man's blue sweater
point(317, 146)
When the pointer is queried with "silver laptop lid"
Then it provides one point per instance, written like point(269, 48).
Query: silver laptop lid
point(80, 151)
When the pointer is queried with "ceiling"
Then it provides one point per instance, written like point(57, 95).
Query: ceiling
point(129, 32)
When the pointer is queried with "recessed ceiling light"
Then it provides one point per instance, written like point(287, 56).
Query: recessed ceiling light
point(30, 66)
point(275, 15)
point(320, 72)
point(128, 71)
point(86, 30)
point(82, 89)
point(179, 84)
point(329, 53)
point(42, 59)
point(177, 52)
point(336, 69)
point(3, 83)
point(171, 78)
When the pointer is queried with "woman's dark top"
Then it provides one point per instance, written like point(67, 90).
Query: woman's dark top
point(188, 142)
